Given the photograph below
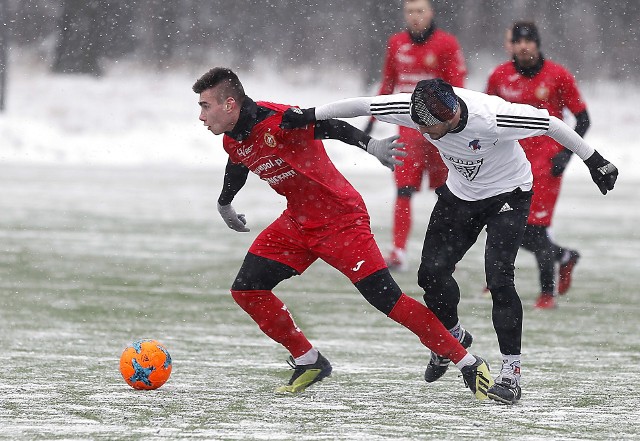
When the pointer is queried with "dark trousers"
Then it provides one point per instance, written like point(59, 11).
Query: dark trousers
point(453, 228)
point(536, 239)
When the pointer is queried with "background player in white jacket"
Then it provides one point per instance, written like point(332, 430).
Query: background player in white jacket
point(489, 185)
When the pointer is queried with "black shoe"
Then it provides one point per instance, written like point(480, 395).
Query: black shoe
point(478, 378)
point(306, 375)
point(439, 365)
point(505, 390)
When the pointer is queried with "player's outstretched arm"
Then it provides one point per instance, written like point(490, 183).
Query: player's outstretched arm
point(387, 150)
point(235, 176)
point(603, 172)
point(346, 108)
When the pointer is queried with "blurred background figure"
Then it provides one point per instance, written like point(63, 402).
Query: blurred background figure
point(422, 51)
point(508, 47)
point(529, 78)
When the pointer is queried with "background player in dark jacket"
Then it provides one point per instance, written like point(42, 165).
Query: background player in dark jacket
point(419, 52)
point(325, 218)
point(531, 79)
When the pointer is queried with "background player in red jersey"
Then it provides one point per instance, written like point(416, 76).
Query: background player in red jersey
point(529, 78)
point(422, 51)
point(325, 218)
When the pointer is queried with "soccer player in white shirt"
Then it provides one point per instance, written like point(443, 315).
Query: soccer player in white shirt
point(489, 185)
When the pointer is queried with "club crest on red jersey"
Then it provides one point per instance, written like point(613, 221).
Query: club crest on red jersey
point(542, 93)
point(270, 140)
point(430, 60)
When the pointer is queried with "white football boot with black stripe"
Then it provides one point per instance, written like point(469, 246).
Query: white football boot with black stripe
point(506, 389)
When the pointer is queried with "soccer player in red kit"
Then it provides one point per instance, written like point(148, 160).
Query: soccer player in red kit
point(531, 79)
point(325, 218)
point(422, 51)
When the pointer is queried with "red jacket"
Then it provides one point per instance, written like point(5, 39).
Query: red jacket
point(553, 88)
point(407, 62)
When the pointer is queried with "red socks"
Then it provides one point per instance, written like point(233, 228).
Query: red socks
point(420, 320)
point(401, 222)
point(274, 319)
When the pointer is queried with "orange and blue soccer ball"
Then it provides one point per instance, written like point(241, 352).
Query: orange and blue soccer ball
point(145, 364)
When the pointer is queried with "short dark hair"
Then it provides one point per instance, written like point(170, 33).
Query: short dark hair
point(232, 87)
point(527, 30)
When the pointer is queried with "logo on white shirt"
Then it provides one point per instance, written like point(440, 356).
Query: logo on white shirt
point(469, 168)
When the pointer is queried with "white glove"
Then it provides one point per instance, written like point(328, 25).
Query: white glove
point(233, 220)
point(387, 151)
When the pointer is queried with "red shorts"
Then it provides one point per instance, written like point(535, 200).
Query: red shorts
point(422, 157)
point(546, 187)
point(346, 244)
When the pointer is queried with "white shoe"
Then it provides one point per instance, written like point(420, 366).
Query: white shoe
point(506, 388)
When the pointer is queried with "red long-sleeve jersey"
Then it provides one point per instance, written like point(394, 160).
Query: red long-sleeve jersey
point(407, 62)
point(296, 166)
point(553, 88)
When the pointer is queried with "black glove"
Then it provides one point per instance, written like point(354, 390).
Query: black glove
point(369, 127)
point(560, 161)
point(603, 173)
point(294, 117)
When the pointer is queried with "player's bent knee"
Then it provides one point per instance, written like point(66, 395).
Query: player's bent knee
point(260, 273)
point(380, 290)
point(503, 294)
point(430, 272)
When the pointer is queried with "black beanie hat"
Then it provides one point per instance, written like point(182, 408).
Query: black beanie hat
point(525, 29)
point(433, 102)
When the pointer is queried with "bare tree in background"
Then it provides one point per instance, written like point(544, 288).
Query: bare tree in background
point(382, 19)
point(594, 38)
point(4, 42)
point(78, 48)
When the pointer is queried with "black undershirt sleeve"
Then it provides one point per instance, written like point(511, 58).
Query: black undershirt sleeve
point(582, 123)
point(235, 176)
point(342, 131)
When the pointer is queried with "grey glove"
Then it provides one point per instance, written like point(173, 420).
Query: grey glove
point(232, 219)
point(387, 151)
